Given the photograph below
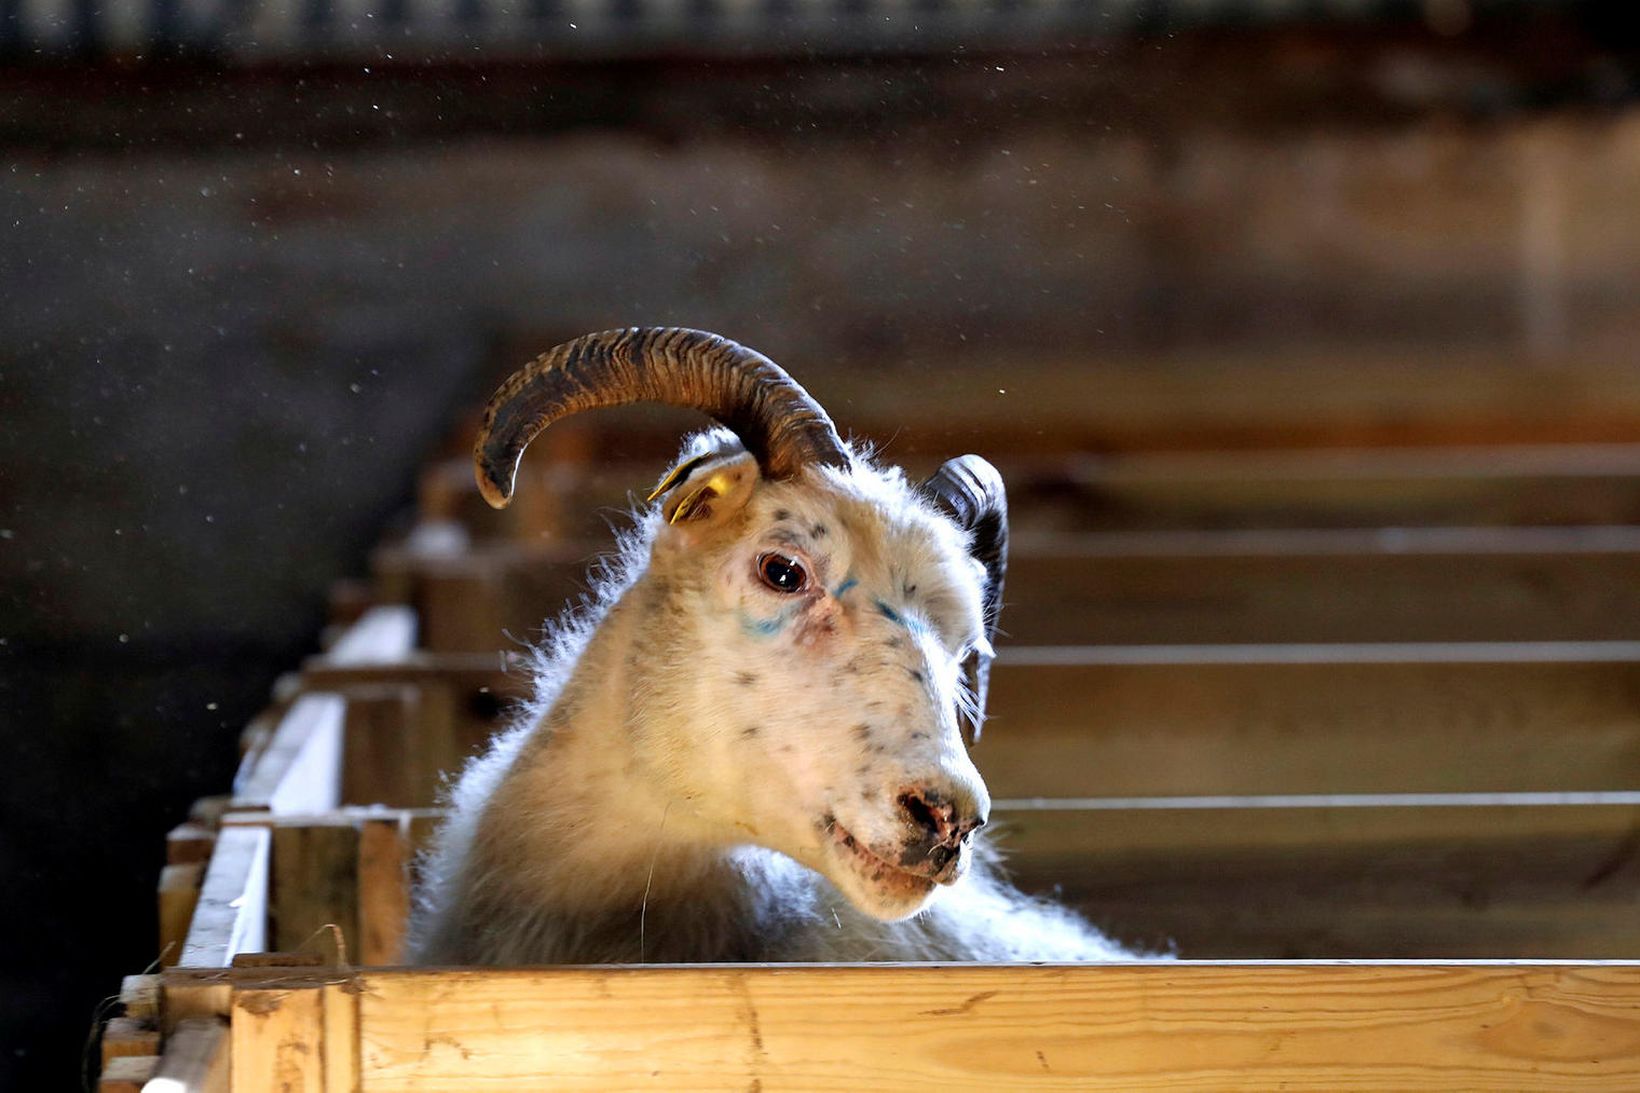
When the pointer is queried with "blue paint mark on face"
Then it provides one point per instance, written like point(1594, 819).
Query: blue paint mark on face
point(916, 626)
point(837, 592)
point(763, 628)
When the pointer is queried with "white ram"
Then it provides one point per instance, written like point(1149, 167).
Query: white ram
point(750, 745)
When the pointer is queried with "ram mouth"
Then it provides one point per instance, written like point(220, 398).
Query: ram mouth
point(875, 870)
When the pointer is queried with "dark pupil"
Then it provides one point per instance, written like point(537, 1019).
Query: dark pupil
point(786, 577)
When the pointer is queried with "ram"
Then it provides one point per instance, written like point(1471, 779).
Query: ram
point(749, 743)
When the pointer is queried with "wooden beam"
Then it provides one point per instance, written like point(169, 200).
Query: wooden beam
point(382, 635)
point(1197, 401)
point(189, 843)
point(300, 770)
point(233, 912)
point(277, 1041)
point(140, 997)
point(1427, 585)
point(178, 897)
point(380, 763)
point(1379, 876)
point(384, 888)
point(123, 1036)
point(195, 1058)
point(315, 884)
point(1408, 875)
point(1565, 485)
point(127, 1074)
point(1169, 721)
point(1341, 585)
point(985, 1027)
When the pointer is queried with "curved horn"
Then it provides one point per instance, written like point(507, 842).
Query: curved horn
point(970, 491)
point(774, 417)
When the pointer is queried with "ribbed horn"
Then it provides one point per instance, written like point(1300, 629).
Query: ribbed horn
point(778, 421)
point(970, 491)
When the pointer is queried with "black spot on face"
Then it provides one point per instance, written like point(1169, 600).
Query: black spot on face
point(919, 735)
point(862, 732)
point(863, 769)
point(818, 531)
point(909, 589)
point(894, 642)
point(915, 674)
point(750, 731)
point(782, 514)
point(746, 679)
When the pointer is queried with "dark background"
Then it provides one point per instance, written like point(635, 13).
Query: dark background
point(248, 285)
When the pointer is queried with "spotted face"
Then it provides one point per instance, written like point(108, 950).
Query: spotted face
point(825, 623)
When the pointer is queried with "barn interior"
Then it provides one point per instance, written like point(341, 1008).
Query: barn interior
point(1307, 331)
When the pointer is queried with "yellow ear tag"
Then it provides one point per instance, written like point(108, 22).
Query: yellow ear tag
point(716, 486)
point(676, 475)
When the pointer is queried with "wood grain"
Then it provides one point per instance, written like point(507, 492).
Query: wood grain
point(1167, 720)
point(178, 896)
point(983, 1028)
point(1133, 722)
point(1369, 878)
point(315, 884)
point(382, 634)
point(232, 914)
point(384, 888)
point(196, 1056)
point(1561, 485)
point(277, 1041)
point(300, 769)
point(1293, 586)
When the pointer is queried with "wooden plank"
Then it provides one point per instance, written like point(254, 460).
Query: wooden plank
point(993, 402)
point(232, 913)
point(195, 1058)
point(1341, 585)
point(189, 843)
point(178, 897)
point(380, 764)
point(340, 1051)
point(1403, 585)
point(1395, 875)
point(1166, 721)
point(300, 770)
point(1503, 486)
point(1349, 488)
point(382, 635)
point(985, 1027)
point(315, 884)
point(123, 1036)
point(1373, 877)
point(384, 888)
point(127, 1074)
point(276, 1041)
point(139, 997)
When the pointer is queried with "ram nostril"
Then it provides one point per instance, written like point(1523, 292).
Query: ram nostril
point(920, 814)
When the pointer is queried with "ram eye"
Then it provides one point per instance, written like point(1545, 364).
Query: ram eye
point(781, 573)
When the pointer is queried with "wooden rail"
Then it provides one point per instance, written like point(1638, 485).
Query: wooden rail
point(1428, 585)
point(1191, 720)
point(1432, 751)
point(561, 496)
point(1247, 1026)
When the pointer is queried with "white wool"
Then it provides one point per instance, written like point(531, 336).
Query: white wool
point(696, 742)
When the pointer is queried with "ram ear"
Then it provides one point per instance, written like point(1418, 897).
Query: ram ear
point(705, 490)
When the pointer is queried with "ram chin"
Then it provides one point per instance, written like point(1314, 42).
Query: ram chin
point(876, 887)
